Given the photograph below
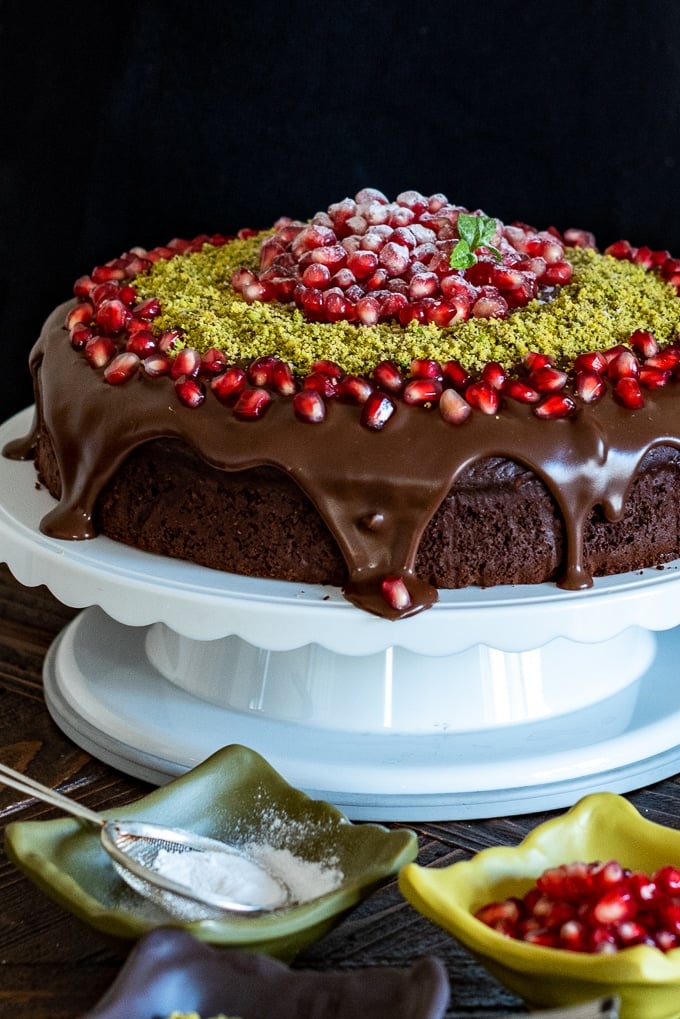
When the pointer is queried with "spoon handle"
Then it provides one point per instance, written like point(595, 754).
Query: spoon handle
point(24, 784)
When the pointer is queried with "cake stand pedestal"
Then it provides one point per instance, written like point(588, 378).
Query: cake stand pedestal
point(504, 701)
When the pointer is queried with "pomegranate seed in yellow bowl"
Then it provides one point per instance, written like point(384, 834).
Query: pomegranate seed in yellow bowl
point(587, 905)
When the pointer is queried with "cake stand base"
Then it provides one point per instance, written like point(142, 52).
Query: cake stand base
point(103, 691)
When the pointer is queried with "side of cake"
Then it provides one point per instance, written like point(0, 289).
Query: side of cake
point(393, 397)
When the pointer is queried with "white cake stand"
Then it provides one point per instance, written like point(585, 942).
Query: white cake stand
point(503, 701)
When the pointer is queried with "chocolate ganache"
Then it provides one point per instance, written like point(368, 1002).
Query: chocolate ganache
point(375, 487)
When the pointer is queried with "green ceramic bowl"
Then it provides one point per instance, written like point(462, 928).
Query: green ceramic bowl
point(601, 826)
point(234, 795)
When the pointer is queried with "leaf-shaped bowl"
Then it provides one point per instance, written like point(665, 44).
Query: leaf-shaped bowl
point(171, 970)
point(236, 796)
point(600, 826)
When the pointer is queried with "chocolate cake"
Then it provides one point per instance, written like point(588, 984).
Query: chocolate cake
point(392, 397)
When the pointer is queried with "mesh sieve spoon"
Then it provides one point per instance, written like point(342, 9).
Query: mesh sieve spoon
point(134, 845)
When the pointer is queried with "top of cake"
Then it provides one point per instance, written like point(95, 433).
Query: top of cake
point(488, 335)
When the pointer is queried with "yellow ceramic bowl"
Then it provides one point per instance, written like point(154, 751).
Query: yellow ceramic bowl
point(601, 826)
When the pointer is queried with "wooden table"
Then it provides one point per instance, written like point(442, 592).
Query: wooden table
point(52, 966)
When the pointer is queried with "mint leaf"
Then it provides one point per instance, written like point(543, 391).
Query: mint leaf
point(475, 232)
point(461, 256)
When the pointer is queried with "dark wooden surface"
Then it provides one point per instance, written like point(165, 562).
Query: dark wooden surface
point(52, 966)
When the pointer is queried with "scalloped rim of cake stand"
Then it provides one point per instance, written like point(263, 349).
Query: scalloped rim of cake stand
point(137, 588)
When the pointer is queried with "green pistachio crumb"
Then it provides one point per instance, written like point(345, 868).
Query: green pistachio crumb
point(605, 302)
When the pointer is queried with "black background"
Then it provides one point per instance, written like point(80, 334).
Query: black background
point(132, 123)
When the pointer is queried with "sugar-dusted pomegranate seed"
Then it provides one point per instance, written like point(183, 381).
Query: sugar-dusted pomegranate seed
point(252, 404)
point(309, 405)
point(574, 238)
point(377, 410)
point(559, 405)
point(628, 391)
point(453, 407)
point(230, 384)
point(99, 350)
point(483, 396)
point(557, 273)
point(395, 593)
point(121, 368)
point(190, 391)
point(490, 307)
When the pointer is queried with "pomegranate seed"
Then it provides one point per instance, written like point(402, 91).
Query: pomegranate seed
point(453, 407)
point(309, 405)
point(455, 375)
point(556, 406)
point(148, 309)
point(557, 273)
point(330, 368)
point(187, 363)
point(625, 365)
point(82, 314)
point(142, 343)
point(99, 350)
point(644, 342)
point(213, 362)
point(252, 404)
point(387, 376)
point(190, 391)
point(495, 374)
point(282, 379)
point(80, 334)
point(260, 370)
point(362, 263)
point(614, 906)
point(325, 385)
point(668, 880)
point(230, 384)
point(589, 386)
point(548, 379)
point(121, 368)
point(629, 393)
point(665, 360)
point(102, 292)
point(422, 392)
point(354, 389)
point(593, 361)
point(490, 307)
point(395, 593)
point(377, 410)
point(483, 397)
point(534, 361)
point(367, 310)
point(579, 239)
point(521, 391)
point(621, 250)
point(103, 273)
point(653, 378)
point(426, 368)
point(83, 286)
point(156, 365)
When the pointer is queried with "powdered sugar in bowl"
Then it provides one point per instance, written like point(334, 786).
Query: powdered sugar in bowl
point(327, 863)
